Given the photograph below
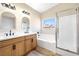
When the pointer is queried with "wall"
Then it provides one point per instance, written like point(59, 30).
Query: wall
point(60, 7)
point(34, 16)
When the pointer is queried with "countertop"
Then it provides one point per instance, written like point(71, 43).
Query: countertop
point(15, 36)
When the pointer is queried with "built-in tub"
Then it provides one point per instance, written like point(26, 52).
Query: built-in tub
point(47, 41)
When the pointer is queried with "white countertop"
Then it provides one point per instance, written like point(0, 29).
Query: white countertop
point(15, 36)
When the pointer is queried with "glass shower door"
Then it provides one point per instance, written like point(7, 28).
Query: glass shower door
point(67, 36)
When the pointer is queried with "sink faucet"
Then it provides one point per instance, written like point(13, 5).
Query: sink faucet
point(10, 33)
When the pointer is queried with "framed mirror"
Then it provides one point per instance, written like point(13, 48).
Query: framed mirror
point(8, 21)
point(25, 24)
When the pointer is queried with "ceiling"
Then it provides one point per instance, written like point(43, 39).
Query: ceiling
point(41, 7)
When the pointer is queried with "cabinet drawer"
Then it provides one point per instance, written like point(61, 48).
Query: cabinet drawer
point(27, 37)
point(31, 36)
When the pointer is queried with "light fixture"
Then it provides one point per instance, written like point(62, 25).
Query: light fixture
point(8, 5)
point(25, 12)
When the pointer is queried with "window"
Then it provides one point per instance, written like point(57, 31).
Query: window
point(49, 24)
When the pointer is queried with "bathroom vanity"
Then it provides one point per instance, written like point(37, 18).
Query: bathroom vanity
point(18, 45)
point(15, 39)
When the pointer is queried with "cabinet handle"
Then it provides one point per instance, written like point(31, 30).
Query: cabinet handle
point(32, 40)
point(14, 47)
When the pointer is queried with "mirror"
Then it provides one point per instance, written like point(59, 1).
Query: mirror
point(25, 25)
point(7, 21)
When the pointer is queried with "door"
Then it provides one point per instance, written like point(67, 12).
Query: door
point(34, 42)
point(6, 51)
point(67, 36)
point(18, 48)
point(28, 45)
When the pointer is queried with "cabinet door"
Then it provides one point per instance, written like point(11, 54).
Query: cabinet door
point(28, 45)
point(34, 42)
point(6, 51)
point(18, 49)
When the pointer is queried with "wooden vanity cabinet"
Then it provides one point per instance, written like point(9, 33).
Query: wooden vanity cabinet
point(18, 46)
point(14, 47)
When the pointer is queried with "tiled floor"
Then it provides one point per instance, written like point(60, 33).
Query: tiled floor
point(35, 53)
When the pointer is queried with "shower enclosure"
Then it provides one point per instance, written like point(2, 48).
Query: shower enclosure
point(67, 30)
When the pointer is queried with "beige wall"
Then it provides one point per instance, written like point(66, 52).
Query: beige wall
point(60, 7)
point(34, 16)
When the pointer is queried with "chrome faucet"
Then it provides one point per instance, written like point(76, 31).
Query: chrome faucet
point(9, 34)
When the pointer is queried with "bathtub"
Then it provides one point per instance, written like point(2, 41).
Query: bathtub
point(47, 41)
